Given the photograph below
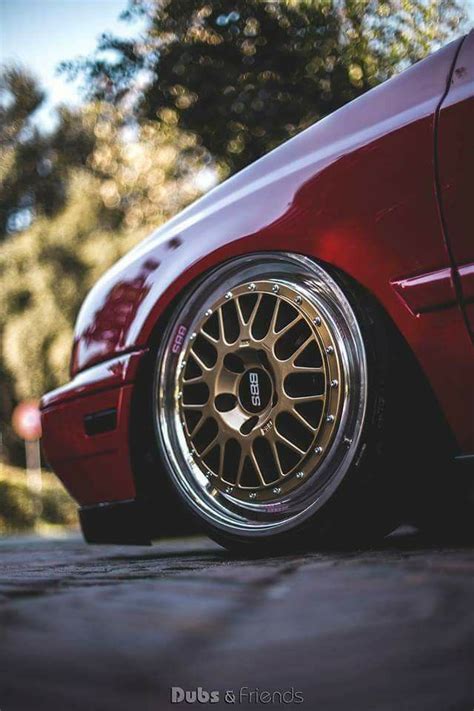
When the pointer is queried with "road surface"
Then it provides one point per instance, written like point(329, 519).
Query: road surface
point(105, 627)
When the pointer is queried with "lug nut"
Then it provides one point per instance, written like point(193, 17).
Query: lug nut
point(318, 450)
point(298, 300)
point(317, 321)
point(334, 383)
point(330, 418)
point(300, 475)
point(251, 287)
point(275, 288)
point(252, 495)
point(329, 350)
point(277, 490)
point(228, 295)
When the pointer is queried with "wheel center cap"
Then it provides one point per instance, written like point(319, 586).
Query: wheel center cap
point(255, 390)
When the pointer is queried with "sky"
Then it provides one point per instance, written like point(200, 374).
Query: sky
point(41, 33)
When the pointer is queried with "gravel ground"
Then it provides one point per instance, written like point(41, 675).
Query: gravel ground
point(108, 627)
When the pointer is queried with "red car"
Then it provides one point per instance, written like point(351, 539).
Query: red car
point(290, 360)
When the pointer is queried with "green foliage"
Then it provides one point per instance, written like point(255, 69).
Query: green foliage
point(17, 507)
point(22, 510)
point(244, 75)
point(58, 509)
point(34, 167)
point(47, 270)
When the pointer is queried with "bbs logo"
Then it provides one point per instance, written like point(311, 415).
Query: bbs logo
point(178, 339)
point(254, 389)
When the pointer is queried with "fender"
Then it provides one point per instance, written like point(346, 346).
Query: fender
point(356, 190)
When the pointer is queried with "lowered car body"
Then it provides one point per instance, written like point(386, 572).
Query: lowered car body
point(377, 192)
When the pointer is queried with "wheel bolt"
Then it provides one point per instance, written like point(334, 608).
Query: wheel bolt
point(298, 300)
point(275, 288)
point(317, 321)
point(251, 287)
point(318, 450)
point(228, 295)
point(252, 495)
point(329, 350)
point(334, 383)
point(277, 490)
point(330, 418)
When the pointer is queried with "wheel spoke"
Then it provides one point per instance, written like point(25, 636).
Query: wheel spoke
point(288, 326)
point(290, 444)
point(209, 446)
point(201, 364)
point(257, 467)
point(208, 337)
point(246, 367)
point(304, 422)
point(304, 398)
point(196, 379)
point(240, 315)
point(220, 319)
point(220, 469)
point(301, 348)
point(240, 468)
point(254, 313)
point(276, 457)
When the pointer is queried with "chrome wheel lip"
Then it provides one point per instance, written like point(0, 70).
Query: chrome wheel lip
point(220, 509)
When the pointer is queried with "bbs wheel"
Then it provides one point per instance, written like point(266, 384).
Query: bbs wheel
point(263, 407)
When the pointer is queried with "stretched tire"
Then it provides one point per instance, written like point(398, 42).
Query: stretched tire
point(275, 403)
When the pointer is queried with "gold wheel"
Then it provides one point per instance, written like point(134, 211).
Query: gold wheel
point(259, 390)
point(260, 393)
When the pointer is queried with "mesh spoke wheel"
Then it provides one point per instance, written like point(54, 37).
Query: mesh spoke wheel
point(260, 392)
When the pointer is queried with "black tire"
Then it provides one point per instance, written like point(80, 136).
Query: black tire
point(365, 502)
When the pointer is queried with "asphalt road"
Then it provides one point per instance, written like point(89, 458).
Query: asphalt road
point(116, 627)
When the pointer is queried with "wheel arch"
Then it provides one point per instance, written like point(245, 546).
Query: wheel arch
point(145, 461)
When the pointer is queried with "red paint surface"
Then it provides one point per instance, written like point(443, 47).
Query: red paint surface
point(466, 276)
point(456, 167)
point(93, 469)
point(427, 292)
point(104, 376)
point(357, 190)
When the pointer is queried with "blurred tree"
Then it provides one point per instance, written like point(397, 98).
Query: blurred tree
point(244, 75)
point(134, 177)
point(34, 166)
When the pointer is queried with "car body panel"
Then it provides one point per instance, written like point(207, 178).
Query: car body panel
point(338, 187)
point(93, 468)
point(456, 171)
point(358, 191)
